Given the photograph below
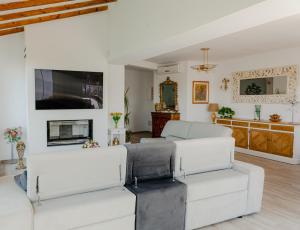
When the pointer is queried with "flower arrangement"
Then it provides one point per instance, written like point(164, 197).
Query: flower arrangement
point(116, 116)
point(90, 144)
point(13, 135)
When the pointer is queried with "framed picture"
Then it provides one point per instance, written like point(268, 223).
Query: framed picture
point(200, 92)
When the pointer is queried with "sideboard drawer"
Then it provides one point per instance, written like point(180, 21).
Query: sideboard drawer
point(259, 125)
point(224, 122)
point(283, 128)
point(240, 123)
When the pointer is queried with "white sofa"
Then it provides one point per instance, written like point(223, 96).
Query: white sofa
point(83, 189)
point(79, 189)
point(218, 187)
point(183, 130)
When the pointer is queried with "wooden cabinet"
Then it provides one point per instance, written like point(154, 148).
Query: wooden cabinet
point(159, 120)
point(272, 142)
point(259, 140)
point(281, 144)
point(275, 140)
point(241, 137)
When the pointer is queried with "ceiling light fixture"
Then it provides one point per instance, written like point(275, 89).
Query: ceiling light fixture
point(205, 66)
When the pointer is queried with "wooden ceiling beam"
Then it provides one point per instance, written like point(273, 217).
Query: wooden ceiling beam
point(28, 3)
point(53, 9)
point(11, 31)
point(52, 17)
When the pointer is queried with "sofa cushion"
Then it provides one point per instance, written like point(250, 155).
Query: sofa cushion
point(75, 171)
point(150, 161)
point(177, 129)
point(173, 138)
point(205, 130)
point(202, 155)
point(15, 208)
point(84, 209)
point(215, 183)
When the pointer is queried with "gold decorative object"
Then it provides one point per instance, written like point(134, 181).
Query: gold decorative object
point(20, 150)
point(116, 141)
point(90, 144)
point(168, 95)
point(213, 108)
point(225, 83)
point(157, 107)
point(291, 72)
point(275, 118)
point(200, 92)
point(205, 66)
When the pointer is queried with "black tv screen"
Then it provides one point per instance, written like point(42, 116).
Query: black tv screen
point(60, 89)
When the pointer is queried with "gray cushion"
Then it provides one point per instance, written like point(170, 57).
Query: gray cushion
point(150, 161)
point(177, 129)
point(160, 205)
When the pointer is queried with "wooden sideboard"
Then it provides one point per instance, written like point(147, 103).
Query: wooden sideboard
point(276, 141)
point(159, 120)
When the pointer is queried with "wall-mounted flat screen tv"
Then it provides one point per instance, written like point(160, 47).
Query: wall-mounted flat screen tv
point(61, 89)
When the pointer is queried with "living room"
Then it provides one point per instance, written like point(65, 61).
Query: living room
point(183, 63)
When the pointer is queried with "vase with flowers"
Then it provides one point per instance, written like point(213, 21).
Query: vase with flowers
point(12, 136)
point(116, 116)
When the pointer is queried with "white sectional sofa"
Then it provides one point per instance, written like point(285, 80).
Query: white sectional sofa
point(83, 189)
point(218, 188)
point(184, 130)
point(80, 189)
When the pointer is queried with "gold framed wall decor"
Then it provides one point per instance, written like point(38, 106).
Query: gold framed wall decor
point(200, 92)
point(253, 93)
point(169, 95)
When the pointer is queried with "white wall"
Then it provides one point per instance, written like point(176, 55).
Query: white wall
point(198, 112)
point(264, 60)
point(12, 90)
point(140, 83)
point(116, 88)
point(80, 44)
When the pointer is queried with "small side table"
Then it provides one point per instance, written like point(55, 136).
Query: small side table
point(9, 169)
point(119, 133)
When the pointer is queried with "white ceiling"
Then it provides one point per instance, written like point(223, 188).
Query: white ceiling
point(280, 34)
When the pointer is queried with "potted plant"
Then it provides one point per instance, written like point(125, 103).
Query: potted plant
point(126, 115)
point(226, 112)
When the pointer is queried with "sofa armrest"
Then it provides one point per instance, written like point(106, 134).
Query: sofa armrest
point(16, 211)
point(256, 177)
point(152, 140)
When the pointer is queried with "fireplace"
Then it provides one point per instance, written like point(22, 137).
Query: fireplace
point(69, 132)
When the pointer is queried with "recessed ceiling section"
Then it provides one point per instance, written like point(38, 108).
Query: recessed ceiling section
point(276, 35)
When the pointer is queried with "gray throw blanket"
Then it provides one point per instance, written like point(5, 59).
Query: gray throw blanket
point(161, 201)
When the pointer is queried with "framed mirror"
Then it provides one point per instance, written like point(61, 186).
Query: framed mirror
point(271, 85)
point(168, 94)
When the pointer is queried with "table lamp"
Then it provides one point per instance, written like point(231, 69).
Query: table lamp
point(213, 108)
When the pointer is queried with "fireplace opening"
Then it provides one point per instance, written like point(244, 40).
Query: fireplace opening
point(69, 132)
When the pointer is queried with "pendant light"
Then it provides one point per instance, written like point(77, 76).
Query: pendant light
point(205, 67)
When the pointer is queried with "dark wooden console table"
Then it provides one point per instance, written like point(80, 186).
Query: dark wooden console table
point(159, 120)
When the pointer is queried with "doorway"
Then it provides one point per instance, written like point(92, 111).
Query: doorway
point(139, 87)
